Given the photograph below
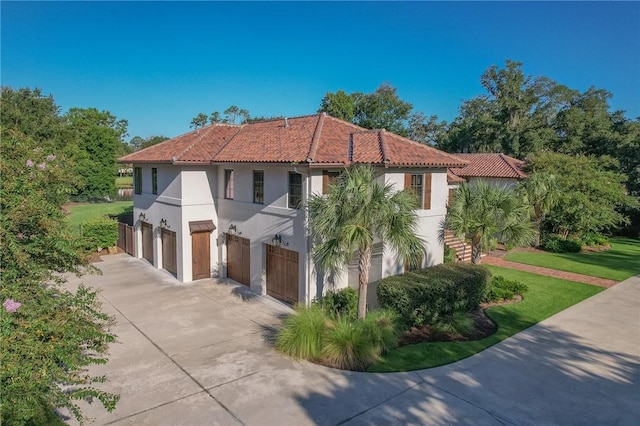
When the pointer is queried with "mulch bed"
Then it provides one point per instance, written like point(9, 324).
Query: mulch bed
point(484, 327)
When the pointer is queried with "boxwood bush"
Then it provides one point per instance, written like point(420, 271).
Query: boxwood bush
point(557, 244)
point(502, 288)
point(424, 297)
point(100, 232)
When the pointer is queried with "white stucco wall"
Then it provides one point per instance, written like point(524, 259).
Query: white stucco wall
point(261, 222)
point(184, 195)
point(501, 182)
point(190, 193)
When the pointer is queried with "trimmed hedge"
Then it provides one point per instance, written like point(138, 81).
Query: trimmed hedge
point(557, 244)
point(100, 232)
point(502, 288)
point(424, 297)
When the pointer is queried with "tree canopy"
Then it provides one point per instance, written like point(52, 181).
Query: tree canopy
point(49, 335)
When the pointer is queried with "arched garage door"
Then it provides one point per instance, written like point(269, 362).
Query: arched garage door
point(282, 274)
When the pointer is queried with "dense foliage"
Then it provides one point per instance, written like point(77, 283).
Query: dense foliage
point(341, 303)
point(480, 212)
point(48, 334)
point(92, 139)
point(426, 296)
point(501, 288)
point(592, 193)
point(99, 233)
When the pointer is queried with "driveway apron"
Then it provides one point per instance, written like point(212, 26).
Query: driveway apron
point(200, 354)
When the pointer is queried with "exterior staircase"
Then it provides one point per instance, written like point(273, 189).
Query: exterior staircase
point(463, 250)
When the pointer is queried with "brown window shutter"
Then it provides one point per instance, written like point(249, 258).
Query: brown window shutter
point(407, 180)
point(325, 181)
point(427, 191)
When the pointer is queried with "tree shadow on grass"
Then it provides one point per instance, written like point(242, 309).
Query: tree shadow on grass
point(543, 375)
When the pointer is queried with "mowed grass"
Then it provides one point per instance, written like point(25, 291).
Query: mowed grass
point(619, 263)
point(80, 212)
point(124, 182)
point(546, 297)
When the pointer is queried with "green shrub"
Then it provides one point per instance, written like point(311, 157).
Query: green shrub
point(381, 327)
point(347, 345)
point(100, 232)
point(557, 244)
point(459, 323)
point(594, 239)
point(449, 254)
point(502, 288)
point(301, 334)
point(423, 297)
point(341, 303)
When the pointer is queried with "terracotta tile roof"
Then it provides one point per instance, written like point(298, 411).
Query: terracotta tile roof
point(318, 140)
point(198, 146)
point(451, 178)
point(490, 166)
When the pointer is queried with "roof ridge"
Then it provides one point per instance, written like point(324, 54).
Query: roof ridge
point(507, 159)
point(240, 127)
point(198, 140)
point(385, 158)
point(315, 140)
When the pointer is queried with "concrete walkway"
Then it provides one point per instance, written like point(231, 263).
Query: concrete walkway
point(197, 354)
point(571, 276)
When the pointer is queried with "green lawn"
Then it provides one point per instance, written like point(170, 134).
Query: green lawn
point(83, 211)
point(546, 297)
point(124, 182)
point(619, 263)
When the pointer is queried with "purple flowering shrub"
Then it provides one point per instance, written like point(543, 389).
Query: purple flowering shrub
point(48, 335)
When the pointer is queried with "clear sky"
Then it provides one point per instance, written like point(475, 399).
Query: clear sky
point(158, 64)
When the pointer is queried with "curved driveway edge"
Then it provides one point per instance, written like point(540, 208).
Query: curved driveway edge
point(196, 354)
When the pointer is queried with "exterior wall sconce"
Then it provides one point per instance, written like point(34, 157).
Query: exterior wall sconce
point(142, 217)
point(163, 224)
point(277, 241)
point(233, 230)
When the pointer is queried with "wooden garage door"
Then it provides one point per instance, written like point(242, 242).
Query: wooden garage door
point(282, 273)
point(238, 259)
point(201, 255)
point(169, 257)
point(147, 241)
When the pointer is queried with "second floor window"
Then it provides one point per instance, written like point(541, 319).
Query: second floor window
point(420, 186)
point(295, 190)
point(228, 184)
point(154, 181)
point(137, 180)
point(258, 186)
point(328, 178)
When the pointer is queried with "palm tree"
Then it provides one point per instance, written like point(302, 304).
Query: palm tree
point(482, 211)
point(541, 192)
point(356, 210)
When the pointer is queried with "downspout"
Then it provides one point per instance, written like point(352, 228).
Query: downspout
point(307, 236)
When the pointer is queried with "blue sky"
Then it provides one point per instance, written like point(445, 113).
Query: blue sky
point(158, 64)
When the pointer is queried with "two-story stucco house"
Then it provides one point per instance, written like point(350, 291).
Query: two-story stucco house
point(228, 200)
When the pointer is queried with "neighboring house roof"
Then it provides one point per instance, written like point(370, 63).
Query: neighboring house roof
point(490, 166)
point(319, 140)
point(451, 178)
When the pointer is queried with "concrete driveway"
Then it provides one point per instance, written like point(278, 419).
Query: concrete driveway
point(196, 354)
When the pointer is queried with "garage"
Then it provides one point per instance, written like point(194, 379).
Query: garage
point(147, 241)
point(282, 273)
point(238, 254)
point(169, 256)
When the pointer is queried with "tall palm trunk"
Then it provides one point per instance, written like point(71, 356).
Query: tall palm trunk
point(364, 265)
point(476, 251)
